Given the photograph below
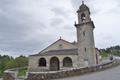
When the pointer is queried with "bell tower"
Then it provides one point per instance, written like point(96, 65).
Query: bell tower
point(85, 37)
point(83, 14)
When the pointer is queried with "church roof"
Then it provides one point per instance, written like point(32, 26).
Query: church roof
point(83, 7)
point(59, 52)
point(72, 44)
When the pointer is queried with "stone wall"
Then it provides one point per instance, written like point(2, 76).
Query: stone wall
point(8, 76)
point(34, 60)
point(55, 46)
point(70, 73)
point(12, 74)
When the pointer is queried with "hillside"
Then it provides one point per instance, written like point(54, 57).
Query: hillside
point(114, 50)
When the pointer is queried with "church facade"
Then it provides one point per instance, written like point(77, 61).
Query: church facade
point(65, 55)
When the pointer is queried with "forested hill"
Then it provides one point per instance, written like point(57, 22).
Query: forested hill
point(114, 50)
point(8, 62)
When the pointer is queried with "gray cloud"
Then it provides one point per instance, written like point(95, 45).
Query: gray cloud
point(76, 3)
point(59, 11)
point(56, 21)
point(18, 32)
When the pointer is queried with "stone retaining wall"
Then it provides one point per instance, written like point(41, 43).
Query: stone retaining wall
point(62, 74)
point(8, 76)
point(70, 73)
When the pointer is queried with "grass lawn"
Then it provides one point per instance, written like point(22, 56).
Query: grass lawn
point(22, 72)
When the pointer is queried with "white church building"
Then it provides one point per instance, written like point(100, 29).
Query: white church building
point(63, 54)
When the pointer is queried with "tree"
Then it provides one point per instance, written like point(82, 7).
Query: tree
point(21, 61)
point(114, 50)
point(8, 62)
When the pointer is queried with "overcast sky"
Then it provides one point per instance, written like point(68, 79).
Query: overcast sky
point(28, 26)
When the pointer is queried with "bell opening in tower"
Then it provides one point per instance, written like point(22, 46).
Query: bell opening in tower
point(83, 17)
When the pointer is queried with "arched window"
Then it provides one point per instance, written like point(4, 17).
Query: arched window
point(67, 62)
point(42, 62)
point(83, 17)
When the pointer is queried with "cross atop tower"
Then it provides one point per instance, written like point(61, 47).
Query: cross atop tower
point(82, 2)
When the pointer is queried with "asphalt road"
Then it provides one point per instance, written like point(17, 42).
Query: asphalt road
point(109, 74)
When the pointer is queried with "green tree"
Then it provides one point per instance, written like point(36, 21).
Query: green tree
point(8, 62)
point(21, 61)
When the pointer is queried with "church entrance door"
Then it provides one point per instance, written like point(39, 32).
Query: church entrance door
point(54, 64)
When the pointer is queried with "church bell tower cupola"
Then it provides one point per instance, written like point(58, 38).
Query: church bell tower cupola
point(83, 13)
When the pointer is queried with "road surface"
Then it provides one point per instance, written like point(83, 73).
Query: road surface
point(109, 74)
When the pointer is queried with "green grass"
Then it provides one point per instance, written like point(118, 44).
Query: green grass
point(22, 72)
point(104, 54)
point(1, 73)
